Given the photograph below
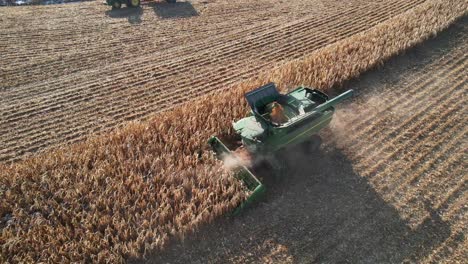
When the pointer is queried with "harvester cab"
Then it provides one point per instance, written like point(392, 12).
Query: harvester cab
point(277, 121)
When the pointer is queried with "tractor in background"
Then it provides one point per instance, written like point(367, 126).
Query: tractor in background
point(117, 4)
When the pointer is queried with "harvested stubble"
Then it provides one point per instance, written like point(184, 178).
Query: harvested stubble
point(115, 197)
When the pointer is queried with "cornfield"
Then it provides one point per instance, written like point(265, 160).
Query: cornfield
point(56, 88)
point(120, 195)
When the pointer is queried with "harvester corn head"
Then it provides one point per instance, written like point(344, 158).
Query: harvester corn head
point(303, 113)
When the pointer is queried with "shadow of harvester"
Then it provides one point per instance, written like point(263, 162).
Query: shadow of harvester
point(320, 212)
point(166, 10)
point(132, 14)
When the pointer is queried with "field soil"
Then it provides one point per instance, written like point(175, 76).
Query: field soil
point(388, 185)
point(70, 70)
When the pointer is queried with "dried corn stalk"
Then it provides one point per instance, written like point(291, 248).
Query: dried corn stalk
point(117, 196)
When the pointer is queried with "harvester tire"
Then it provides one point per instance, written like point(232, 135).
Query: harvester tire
point(116, 5)
point(133, 3)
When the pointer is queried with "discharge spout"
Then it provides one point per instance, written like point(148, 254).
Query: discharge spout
point(334, 101)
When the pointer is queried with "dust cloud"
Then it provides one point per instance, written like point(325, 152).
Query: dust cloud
point(239, 157)
point(348, 118)
point(348, 121)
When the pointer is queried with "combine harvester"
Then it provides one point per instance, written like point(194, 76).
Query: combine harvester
point(277, 121)
point(117, 4)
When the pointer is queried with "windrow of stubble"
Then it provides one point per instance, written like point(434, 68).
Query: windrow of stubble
point(117, 196)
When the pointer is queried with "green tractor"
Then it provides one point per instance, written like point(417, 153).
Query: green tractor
point(117, 4)
point(305, 112)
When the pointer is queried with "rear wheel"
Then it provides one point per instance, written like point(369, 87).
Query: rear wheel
point(134, 3)
point(116, 5)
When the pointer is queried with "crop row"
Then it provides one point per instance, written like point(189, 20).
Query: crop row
point(125, 193)
point(127, 105)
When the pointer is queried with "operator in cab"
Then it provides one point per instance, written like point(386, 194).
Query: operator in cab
point(277, 114)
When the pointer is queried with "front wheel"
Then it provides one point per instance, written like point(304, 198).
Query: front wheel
point(116, 5)
point(134, 3)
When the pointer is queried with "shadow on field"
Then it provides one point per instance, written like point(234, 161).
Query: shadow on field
point(322, 210)
point(37, 2)
point(166, 10)
point(132, 14)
